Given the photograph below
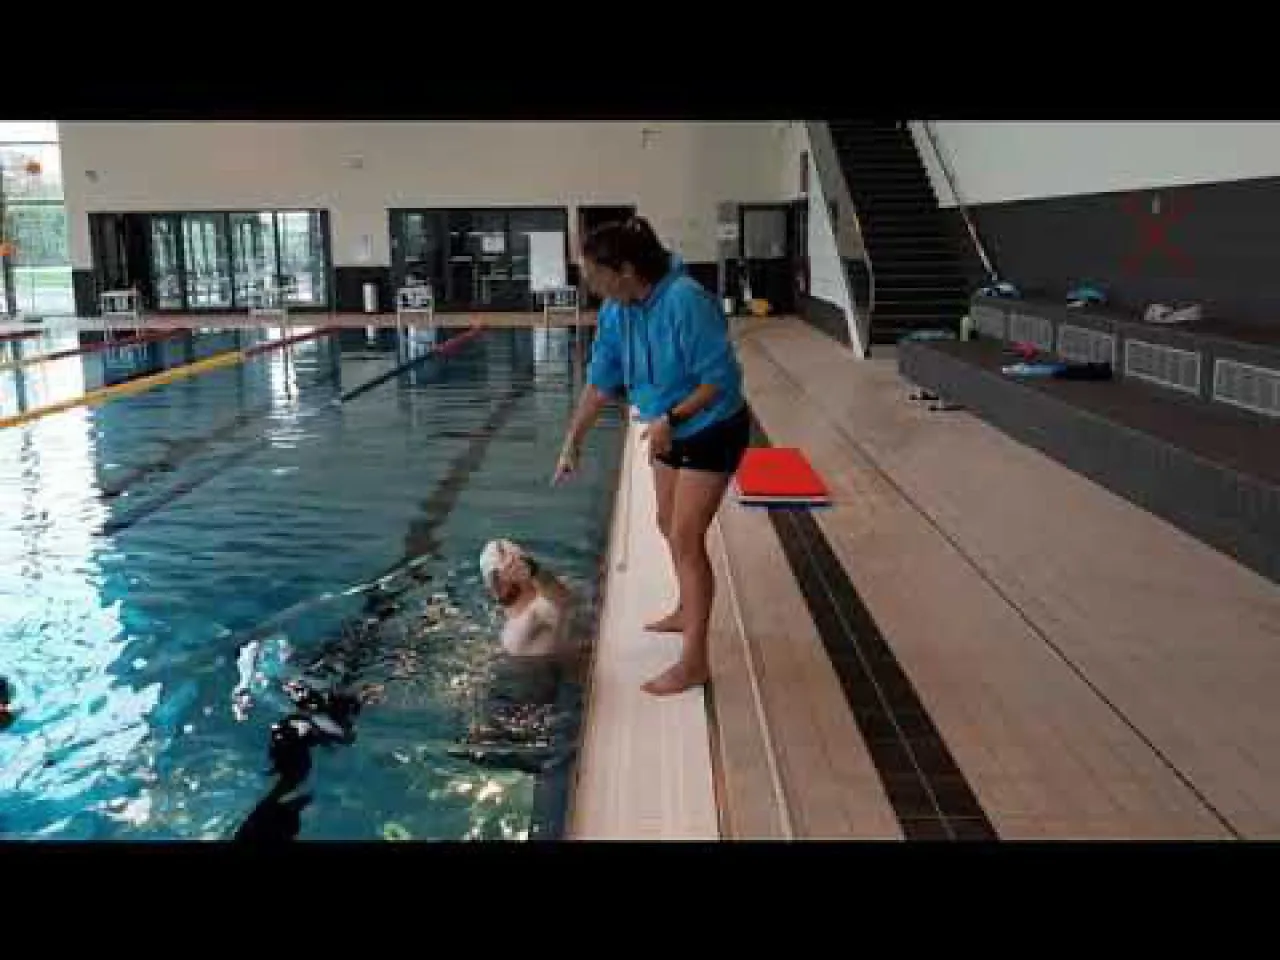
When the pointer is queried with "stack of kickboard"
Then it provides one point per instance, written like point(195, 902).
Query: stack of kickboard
point(779, 477)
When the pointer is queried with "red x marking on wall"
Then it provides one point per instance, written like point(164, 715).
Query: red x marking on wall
point(1154, 221)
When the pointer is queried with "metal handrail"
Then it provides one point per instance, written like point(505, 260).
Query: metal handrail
point(866, 258)
point(955, 194)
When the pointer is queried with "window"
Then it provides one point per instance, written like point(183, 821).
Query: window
point(215, 260)
point(36, 277)
point(476, 259)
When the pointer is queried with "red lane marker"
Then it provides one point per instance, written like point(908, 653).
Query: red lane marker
point(289, 341)
point(102, 345)
point(453, 344)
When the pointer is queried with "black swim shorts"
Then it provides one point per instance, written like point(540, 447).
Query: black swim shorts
point(716, 448)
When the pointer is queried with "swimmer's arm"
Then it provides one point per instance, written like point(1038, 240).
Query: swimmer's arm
point(553, 587)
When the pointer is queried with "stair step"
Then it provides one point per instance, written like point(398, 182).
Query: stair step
point(896, 172)
point(898, 232)
point(900, 178)
point(919, 281)
point(932, 284)
point(892, 191)
point(897, 162)
point(912, 272)
point(906, 235)
point(923, 258)
point(873, 187)
point(887, 209)
point(921, 304)
point(883, 148)
point(893, 221)
point(893, 199)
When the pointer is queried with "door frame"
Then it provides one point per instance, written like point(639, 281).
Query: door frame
point(789, 252)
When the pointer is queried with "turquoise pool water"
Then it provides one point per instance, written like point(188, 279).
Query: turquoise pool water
point(173, 563)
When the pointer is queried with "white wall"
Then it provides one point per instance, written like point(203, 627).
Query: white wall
point(826, 269)
point(676, 175)
point(998, 162)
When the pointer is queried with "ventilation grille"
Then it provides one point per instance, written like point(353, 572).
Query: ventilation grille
point(1025, 328)
point(989, 322)
point(1167, 366)
point(1082, 345)
point(1244, 385)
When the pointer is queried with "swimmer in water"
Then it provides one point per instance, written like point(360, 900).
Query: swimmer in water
point(7, 713)
point(526, 682)
point(535, 604)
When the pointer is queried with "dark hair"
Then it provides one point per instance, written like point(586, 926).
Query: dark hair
point(634, 242)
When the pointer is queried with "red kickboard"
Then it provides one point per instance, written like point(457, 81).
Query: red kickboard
point(779, 475)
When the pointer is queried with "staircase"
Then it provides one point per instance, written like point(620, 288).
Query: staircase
point(919, 279)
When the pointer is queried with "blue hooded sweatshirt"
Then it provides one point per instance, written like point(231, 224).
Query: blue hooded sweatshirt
point(665, 346)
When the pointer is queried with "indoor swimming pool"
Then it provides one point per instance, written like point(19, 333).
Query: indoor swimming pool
point(295, 535)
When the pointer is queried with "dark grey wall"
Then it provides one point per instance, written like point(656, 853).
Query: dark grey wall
point(1227, 235)
point(85, 289)
point(348, 288)
point(827, 317)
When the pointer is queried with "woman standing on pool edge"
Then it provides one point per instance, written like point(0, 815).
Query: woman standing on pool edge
point(665, 339)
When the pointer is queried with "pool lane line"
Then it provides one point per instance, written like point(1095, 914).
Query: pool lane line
point(437, 350)
point(181, 489)
point(142, 384)
point(193, 445)
point(100, 346)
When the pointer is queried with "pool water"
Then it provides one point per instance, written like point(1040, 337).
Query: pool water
point(174, 562)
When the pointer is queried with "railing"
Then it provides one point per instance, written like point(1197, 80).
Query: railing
point(955, 195)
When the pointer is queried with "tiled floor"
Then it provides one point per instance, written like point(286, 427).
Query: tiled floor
point(810, 766)
point(645, 771)
point(1094, 672)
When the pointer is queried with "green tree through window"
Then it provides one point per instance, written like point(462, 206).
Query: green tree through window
point(36, 279)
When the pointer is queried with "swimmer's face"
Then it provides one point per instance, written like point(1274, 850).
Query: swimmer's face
point(504, 590)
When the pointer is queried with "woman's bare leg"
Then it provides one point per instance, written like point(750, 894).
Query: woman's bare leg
point(664, 485)
point(697, 498)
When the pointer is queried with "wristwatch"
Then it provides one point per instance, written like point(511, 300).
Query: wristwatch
point(674, 418)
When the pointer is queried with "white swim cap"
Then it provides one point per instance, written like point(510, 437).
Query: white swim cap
point(495, 555)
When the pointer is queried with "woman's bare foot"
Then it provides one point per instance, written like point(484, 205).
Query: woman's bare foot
point(677, 679)
point(671, 623)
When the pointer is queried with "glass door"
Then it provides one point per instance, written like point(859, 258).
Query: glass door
point(302, 257)
point(166, 267)
point(208, 273)
point(254, 255)
point(766, 234)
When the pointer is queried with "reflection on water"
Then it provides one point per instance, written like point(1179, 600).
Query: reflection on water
point(185, 569)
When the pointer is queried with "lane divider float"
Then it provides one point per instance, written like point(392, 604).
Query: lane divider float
point(217, 362)
point(98, 347)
